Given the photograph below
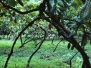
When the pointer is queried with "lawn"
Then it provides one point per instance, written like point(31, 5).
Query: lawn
point(44, 58)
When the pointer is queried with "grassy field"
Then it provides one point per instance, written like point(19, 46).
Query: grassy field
point(44, 58)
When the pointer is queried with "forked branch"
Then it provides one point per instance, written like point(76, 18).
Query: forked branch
point(11, 52)
point(27, 66)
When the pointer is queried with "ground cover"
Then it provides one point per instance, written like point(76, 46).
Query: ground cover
point(44, 58)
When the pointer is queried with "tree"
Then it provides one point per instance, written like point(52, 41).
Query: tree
point(65, 15)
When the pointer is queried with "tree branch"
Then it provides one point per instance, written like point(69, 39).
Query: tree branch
point(11, 52)
point(60, 27)
point(74, 42)
point(27, 66)
point(20, 12)
point(56, 46)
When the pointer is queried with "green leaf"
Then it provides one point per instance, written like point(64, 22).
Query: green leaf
point(78, 2)
point(1, 18)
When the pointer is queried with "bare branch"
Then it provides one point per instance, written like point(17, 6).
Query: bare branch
point(56, 46)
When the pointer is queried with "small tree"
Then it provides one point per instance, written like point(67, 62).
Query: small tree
point(65, 15)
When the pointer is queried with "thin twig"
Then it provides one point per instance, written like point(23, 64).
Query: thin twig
point(56, 46)
point(72, 58)
point(36, 49)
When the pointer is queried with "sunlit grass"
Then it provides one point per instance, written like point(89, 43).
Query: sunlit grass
point(44, 58)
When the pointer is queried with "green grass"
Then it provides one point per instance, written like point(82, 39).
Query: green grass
point(44, 58)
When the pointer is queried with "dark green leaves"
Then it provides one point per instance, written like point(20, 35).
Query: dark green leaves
point(11, 2)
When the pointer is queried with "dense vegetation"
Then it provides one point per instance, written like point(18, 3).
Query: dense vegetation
point(43, 20)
